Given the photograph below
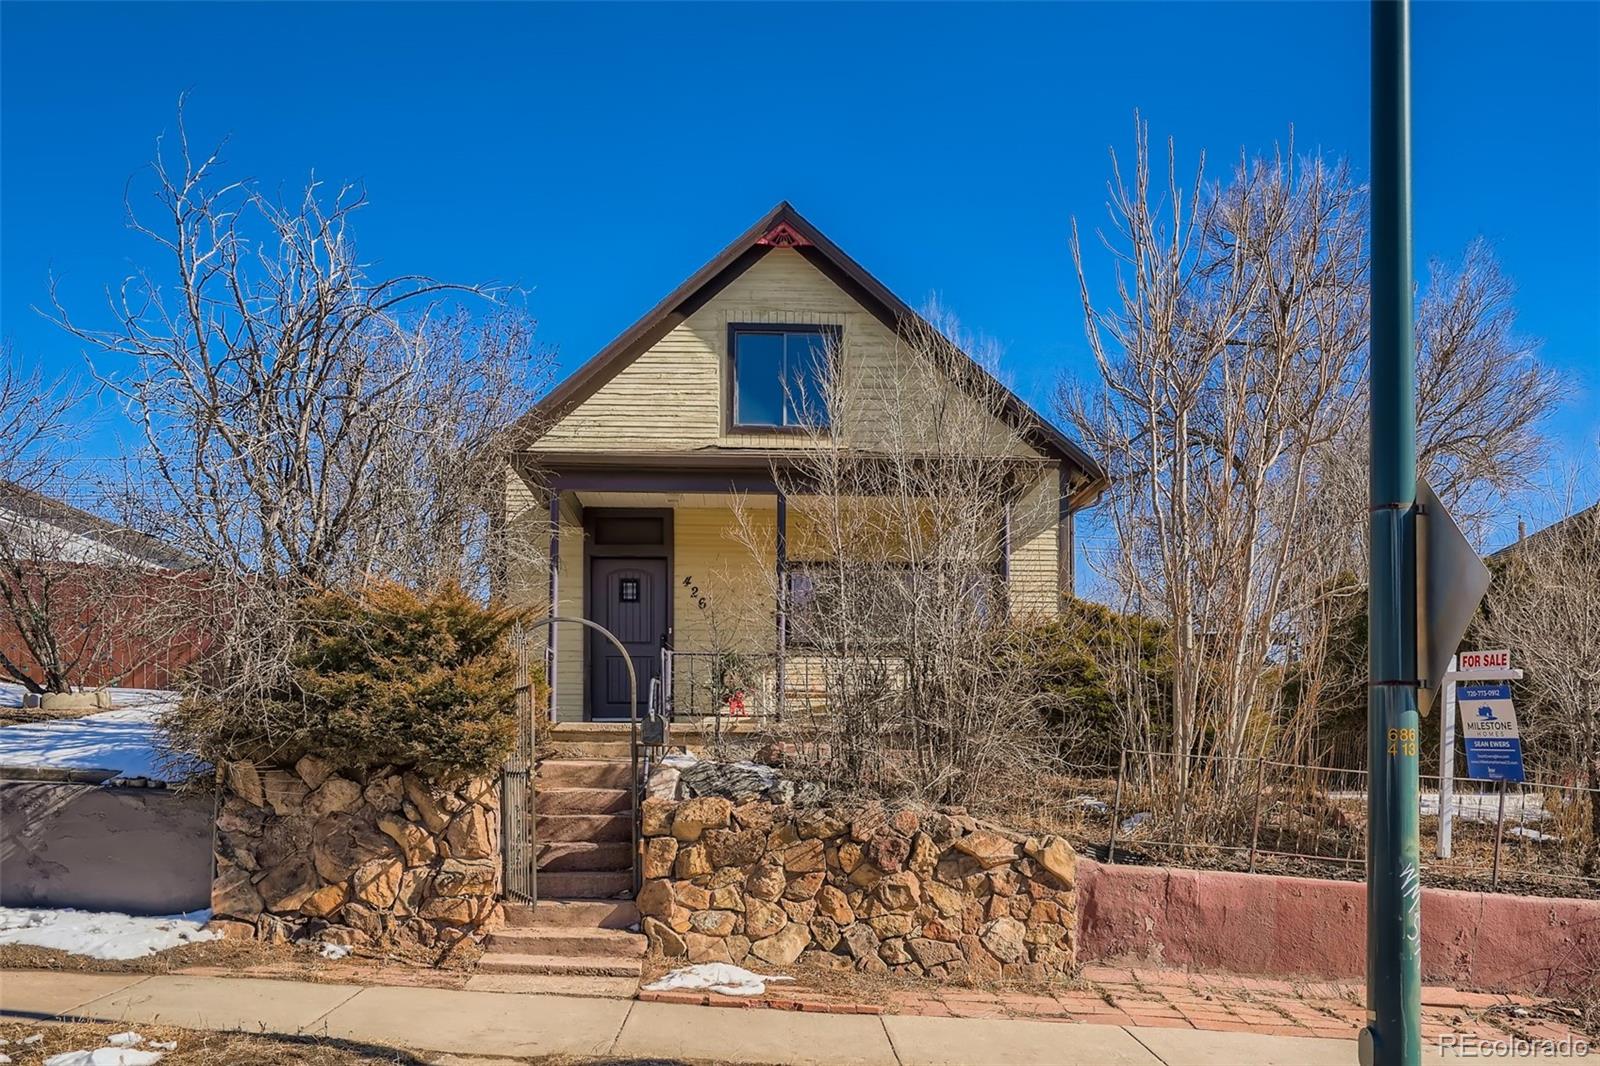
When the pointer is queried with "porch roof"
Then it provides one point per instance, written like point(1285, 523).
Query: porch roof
point(699, 470)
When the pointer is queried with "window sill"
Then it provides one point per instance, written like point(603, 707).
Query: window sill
point(794, 431)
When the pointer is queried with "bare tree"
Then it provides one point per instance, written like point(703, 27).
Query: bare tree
point(78, 588)
point(307, 424)
point(1481, 391)
point(1228, 374)
point(904, 636)
point(1229, 411)
point(1545, 606)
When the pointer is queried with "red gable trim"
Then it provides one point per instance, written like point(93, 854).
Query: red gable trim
point(784, 235)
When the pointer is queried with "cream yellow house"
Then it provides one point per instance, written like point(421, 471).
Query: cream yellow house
point(651, 501)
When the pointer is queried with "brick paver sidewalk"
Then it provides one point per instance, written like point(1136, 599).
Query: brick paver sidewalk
point(1175, 999)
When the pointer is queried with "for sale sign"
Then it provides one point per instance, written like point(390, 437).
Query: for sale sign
point(1489, 727)
point(1499, 659)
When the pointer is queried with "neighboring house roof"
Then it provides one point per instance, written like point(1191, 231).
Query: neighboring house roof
point(784, 227)
point(72, 535)
point(1562, 527)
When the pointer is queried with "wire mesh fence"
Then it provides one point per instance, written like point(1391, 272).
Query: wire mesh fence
point(1265, 815)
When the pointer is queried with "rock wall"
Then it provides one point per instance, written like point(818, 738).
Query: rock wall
point(382, 859)
point(920, 893)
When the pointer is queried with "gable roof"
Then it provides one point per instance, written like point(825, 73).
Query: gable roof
point(1571, 525)
point(20, 505)
point(784, 227)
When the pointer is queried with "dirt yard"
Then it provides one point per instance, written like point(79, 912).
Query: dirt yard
point(194, 1047)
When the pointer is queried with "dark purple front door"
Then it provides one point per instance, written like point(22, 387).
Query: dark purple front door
point(628, 597)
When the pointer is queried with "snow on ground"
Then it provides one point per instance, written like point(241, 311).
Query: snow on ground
point(123, 1049)
point(105, 1056)
point(715, 977)
point(102, 935)
point(122, 740)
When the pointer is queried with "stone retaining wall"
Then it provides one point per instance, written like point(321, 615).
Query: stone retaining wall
point(384, 858)
point(921, 893)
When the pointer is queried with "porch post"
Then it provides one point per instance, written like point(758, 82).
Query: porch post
point(1066, 562)
point(555, 597)
point(782, 553)
point(1005, 557)
point(1005, 544)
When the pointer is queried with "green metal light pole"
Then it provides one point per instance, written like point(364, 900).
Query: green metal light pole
point(1393, 1036)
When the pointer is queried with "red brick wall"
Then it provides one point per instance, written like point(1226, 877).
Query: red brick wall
point(137, 649)
point(1300, 926)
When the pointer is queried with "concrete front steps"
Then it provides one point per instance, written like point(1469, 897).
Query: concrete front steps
point(557, 950)
point(609, 740)
point(581, 926)
point(573, 914)
point(585, 829)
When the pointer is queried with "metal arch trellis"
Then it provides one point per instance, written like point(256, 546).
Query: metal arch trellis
point(519, 837)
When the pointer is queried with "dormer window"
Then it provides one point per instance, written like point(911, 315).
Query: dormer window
point(780, 375)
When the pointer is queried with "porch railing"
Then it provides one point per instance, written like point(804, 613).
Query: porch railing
point(729, 688)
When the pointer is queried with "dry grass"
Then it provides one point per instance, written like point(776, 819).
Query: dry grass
point(882, 989)
point(197, 1047)
point(255, 959)
point(233, 954)
point(1302, 834)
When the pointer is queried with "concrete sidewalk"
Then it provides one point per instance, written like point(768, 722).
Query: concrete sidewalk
point(449, 1022)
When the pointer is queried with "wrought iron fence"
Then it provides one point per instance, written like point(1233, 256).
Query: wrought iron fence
point(1259, 814)
point(731, 688)
point(518, 837)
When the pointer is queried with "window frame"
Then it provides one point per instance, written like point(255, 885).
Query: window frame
point(833, 338)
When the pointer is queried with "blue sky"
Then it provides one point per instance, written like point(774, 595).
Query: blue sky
point(599, 154)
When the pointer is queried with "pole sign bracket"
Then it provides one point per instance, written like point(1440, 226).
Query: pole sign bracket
point(1489, 728)
point(1451, 581)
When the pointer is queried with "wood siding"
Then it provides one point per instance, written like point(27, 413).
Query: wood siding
point(1035, 584)
point(672, 397)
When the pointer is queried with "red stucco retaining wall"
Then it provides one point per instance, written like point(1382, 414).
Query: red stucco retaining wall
point(1293, 926)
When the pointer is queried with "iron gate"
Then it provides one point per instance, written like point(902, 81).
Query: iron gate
point(519, 825)
point(519, 843)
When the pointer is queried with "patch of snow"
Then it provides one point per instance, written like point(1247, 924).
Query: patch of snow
point(34, 1039)
point(1533, 834)
point(123, 740)
point(4, 1058)
point(679, 759)
point(715, 977)
point(1134, 821)
point(1484, 806)
point(128, 1039)
point(102, 934)
point(335, 951)
point(105, 1056)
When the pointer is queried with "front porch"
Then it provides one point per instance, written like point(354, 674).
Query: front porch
point(693, 568)
point(686, 570)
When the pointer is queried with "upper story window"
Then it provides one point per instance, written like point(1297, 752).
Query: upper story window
point(780, 374)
